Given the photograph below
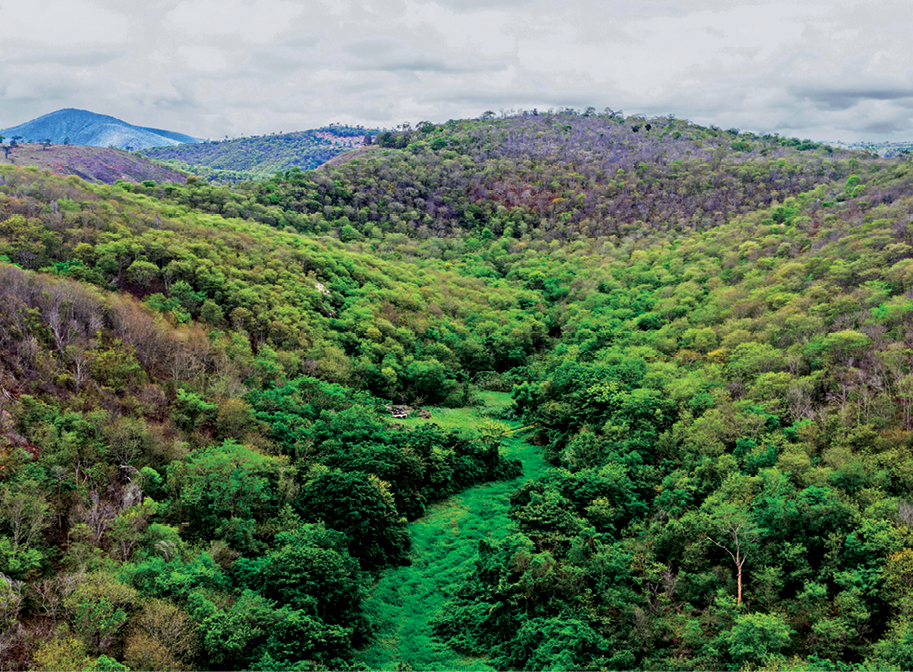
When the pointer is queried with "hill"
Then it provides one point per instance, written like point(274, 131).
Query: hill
point(94, 164)
point(556, 176)
point(705, 332)
point(80, 127)
point(262, 156)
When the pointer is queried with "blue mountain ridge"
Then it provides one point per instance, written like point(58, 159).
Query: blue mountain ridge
point(81, 127)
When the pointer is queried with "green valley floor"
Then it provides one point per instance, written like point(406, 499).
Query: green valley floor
point(444, 545)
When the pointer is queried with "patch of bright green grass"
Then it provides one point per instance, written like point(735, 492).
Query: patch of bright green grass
point(445, 545)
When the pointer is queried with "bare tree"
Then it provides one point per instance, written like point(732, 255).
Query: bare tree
point(25, 510)
point(52, 591)
point(737, 531)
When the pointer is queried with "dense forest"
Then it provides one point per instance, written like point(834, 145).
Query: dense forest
point(704, 332)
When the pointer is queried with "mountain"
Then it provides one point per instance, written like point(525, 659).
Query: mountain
point(93, 164)
point(80, 127)
point(262, 156)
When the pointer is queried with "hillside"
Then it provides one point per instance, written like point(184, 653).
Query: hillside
point(553, 176)
point(259, 157)
point(705, 333)
point(80, 127)
point(94, 164)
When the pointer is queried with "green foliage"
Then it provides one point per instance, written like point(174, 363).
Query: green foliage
point(361, 506)
point(313, 562)
point(227, 491)
point(755, 638)
point(709, 348)
point(98, 609)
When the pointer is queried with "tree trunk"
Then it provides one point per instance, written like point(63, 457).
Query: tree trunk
point(739, 579)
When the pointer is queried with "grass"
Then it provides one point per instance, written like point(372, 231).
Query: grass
point(444, 550)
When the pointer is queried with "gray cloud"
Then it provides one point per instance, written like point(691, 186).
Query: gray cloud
point(472, 5)
point(889, 127)
point(383, 53)
point(85, 59)
point(843, 99)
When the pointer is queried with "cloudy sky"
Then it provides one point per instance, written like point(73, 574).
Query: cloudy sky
point(826, 70)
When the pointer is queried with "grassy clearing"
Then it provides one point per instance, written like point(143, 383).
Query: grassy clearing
point(444, 550)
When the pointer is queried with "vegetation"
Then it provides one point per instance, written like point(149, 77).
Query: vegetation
point(445, 544)
point(260, 157)
point(552, 177)
point(704, 332)
point(93, 164)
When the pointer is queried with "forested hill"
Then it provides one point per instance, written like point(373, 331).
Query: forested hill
point(706, 332)
point(556, 176)
point(262, 156)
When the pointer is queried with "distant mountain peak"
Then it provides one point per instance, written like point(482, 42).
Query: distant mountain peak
point(82, 127)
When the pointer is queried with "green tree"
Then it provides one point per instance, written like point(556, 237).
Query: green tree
point(362, 507)
point(225, 491)
point(755, 638)
point(99, 607)
point(311, 570)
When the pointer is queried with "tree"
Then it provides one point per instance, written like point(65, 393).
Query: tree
point(98, 608)
point(227, 490)
point(312, 570)
point(757, 637)
point(162, 637)
point(61, 654)
point(362, 507)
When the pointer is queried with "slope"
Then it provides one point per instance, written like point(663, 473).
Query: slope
point(164, 418)
point(345, 314)
point(94, 164)
point(741, 390)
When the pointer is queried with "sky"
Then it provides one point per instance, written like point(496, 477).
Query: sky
point(835, 70)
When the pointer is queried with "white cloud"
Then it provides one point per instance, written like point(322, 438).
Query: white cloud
point(215, 67)
point(204, 59)
point(61, 24)
point(251, 20)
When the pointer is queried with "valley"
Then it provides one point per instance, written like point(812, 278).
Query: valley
point(405, 601)
point(704, 334)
